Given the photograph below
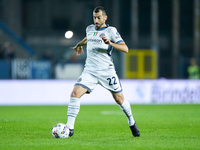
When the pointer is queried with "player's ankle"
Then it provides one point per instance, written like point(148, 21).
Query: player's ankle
point(70, 126)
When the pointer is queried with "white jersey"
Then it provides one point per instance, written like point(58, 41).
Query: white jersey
point(99, 53)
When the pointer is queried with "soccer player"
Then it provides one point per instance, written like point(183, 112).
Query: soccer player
point(99, 68)
point(193, 69)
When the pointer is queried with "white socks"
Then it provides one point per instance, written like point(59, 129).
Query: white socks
point(73, 109)
point(126, 108)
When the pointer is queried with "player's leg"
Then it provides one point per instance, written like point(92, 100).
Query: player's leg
point(74, 104)
point(109, 80)
point(126, 108)
point(74, 107)
point(85, 84)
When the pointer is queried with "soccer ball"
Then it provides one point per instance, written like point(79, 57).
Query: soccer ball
point(60, 130)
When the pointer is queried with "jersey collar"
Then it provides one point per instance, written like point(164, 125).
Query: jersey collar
point(107, 25)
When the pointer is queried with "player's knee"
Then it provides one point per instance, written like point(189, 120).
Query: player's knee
point(74, 94)
point(78, 91)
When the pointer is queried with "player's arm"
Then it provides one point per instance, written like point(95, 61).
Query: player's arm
point(119, 46)
point(82, 42)
point(78, 48)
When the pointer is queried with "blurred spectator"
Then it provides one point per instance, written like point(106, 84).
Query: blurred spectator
point(193, 69)
point(9, 51)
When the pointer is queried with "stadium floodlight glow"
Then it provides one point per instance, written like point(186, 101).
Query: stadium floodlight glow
point(68, 34)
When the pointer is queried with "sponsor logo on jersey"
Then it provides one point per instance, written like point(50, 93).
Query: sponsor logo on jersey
point(95, 33)
point(96, 41)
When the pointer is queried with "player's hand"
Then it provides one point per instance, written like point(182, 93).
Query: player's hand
point(78, 49)
point(106, 40)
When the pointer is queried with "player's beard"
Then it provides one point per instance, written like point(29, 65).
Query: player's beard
point(98, 25)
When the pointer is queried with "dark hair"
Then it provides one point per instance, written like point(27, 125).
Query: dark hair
point(98, 8)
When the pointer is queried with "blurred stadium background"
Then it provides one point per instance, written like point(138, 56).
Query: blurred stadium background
point(162, 35)
point(171, 28)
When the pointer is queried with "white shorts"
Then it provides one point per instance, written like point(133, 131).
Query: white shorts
point(106, 78)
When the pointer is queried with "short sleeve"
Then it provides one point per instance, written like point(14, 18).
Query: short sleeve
point(115, 36)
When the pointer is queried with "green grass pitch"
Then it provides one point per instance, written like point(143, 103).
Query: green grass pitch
point(101, 127)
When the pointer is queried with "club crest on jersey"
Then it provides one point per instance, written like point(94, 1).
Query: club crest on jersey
point(102, 34)
point(95, 33)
